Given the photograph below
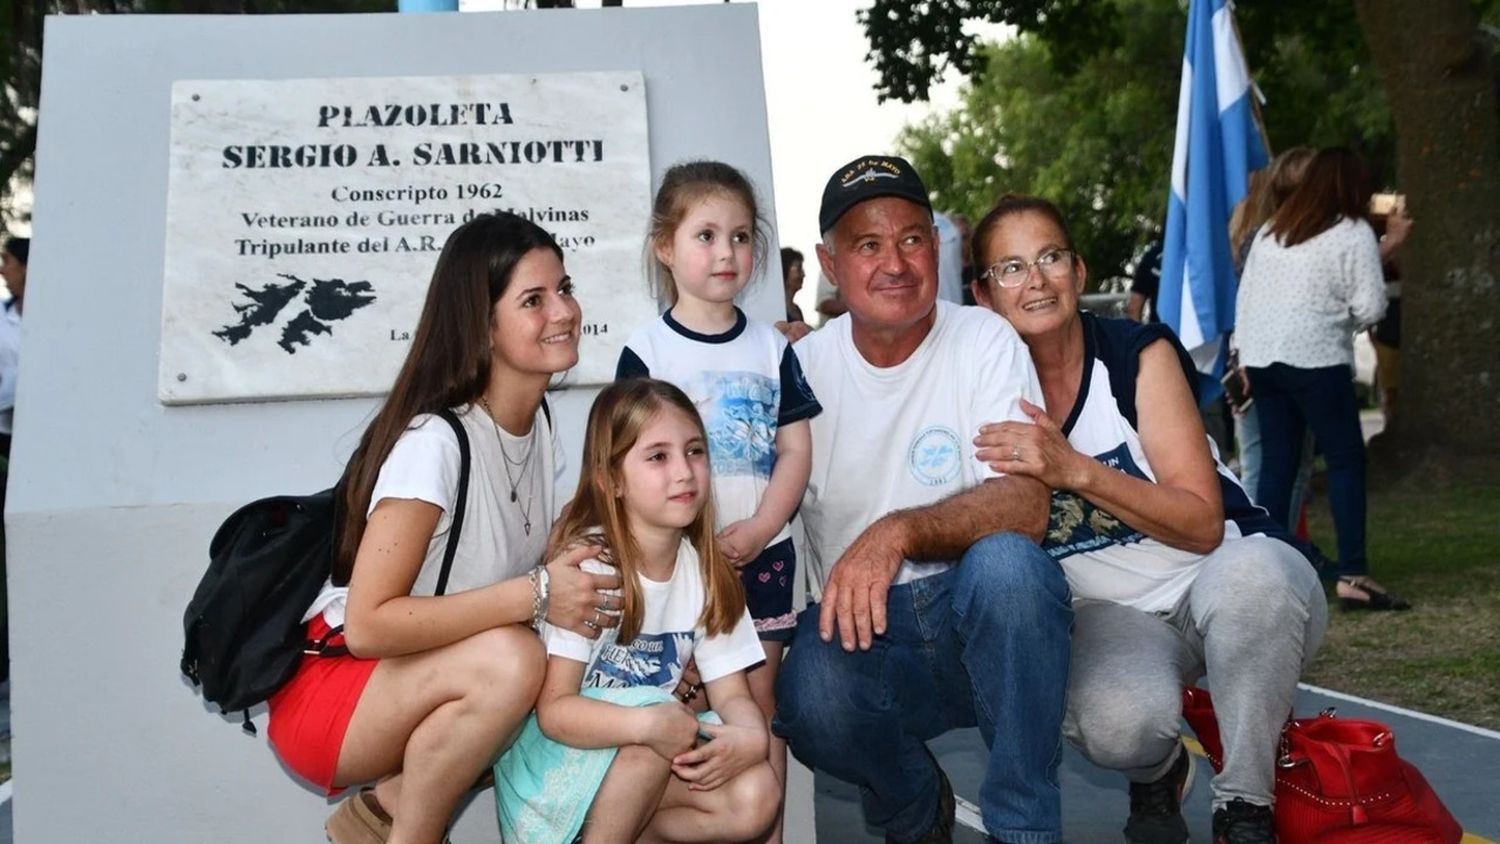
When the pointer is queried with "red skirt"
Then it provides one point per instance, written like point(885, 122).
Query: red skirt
point(311, 713)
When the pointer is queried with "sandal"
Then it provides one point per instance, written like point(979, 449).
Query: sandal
point(357, 821)
point(1374, 598)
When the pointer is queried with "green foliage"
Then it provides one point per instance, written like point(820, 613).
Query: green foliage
point(1311, 62)
point(913, 43)
point(1087, 120)
point(21, 60)
point(1097, 140)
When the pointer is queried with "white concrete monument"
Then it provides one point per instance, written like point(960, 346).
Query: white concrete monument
point(157, 214)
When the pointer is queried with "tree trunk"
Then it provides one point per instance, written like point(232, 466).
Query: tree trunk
point(1440, 80)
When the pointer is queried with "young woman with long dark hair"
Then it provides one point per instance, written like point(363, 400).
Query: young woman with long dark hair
point(434, 686)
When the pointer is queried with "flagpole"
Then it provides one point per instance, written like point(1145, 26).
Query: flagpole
point(1260, 121)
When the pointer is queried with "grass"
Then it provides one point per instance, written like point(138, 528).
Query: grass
point(1433, 537)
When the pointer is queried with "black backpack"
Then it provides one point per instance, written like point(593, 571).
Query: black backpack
point(245, 636)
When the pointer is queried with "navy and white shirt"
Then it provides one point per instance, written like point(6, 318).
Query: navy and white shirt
point(746, 383)
point(1103, 557)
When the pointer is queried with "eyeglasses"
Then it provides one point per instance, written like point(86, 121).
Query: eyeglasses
point(1013, 272)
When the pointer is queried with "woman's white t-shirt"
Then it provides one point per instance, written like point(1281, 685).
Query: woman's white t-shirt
point(494, 544)
point(1300, 305)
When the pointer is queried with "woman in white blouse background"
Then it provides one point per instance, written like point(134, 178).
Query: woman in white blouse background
point(1312, 280)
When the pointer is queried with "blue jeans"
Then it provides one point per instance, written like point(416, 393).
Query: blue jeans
point(984, 644)
point(1247, 436)
point(1288, 401)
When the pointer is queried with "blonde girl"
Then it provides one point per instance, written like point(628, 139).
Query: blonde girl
point(611, 756)
point(705, 241)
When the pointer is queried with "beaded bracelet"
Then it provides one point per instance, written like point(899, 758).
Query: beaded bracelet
point(541, 580)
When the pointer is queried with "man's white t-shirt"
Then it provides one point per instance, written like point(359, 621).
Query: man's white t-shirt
point(903, 436)
point(494, 545)
point(669, 636)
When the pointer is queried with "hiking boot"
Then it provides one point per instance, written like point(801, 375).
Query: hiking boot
point(942, 828)
point(1156, 806)
point(1244, 823)
point(355, 821)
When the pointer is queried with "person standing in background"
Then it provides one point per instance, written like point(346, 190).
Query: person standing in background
point(13, 269)
point(796, 326)
point(950, 258)
point(1268, 189)
point(792, 277)
point(1311, 280)
point(1145, 284)
point(966, 232)
point(1393, 227)
point(13, 261)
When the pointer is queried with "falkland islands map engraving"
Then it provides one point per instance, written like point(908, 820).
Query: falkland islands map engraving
point(326, 301)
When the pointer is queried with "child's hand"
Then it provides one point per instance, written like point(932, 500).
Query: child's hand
point(731, 750)
point(690, 689)
point(743, 541)
point(670, 729)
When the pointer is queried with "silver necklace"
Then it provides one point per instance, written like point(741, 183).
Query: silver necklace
point(514, 480)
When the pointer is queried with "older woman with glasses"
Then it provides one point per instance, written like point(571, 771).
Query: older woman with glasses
point(1174, 573)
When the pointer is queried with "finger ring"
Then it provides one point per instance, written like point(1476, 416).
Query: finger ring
point(1015, 452)
point(590, 624)
point(598, 617)
point(604, 607)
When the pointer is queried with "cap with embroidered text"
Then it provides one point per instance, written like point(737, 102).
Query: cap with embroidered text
point(868, 177)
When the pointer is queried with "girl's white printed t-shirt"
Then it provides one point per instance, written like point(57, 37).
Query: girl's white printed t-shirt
point(424, 465)
point(668, 639)
point(746, 384)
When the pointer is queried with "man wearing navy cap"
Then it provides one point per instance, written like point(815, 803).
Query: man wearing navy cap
point(938, 609)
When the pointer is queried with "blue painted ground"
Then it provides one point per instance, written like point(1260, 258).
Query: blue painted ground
point(1463, 768)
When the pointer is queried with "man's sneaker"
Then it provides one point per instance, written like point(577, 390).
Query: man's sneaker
point(942, 828)
point(1156, 807)
point(1244, 823)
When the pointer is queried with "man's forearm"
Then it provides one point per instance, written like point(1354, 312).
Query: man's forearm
point(945, 530)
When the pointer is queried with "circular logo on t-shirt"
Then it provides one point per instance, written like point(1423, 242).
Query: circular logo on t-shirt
point(933, 456)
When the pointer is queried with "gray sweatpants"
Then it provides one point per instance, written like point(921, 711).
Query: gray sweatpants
point(1252, 619)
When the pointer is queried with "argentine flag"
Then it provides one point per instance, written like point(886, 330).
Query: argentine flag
point(1218, 145)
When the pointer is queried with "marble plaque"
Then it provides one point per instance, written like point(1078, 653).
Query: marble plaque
point(304, 218)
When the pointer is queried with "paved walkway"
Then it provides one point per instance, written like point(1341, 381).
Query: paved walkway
point(1462, 763)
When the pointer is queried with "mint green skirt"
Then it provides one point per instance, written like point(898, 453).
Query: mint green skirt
point(543, 788)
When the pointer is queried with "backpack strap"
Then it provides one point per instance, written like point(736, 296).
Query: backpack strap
point(322, 646)
point(460, 503)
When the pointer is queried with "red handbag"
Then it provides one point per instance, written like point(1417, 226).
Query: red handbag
point(1339, 781)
